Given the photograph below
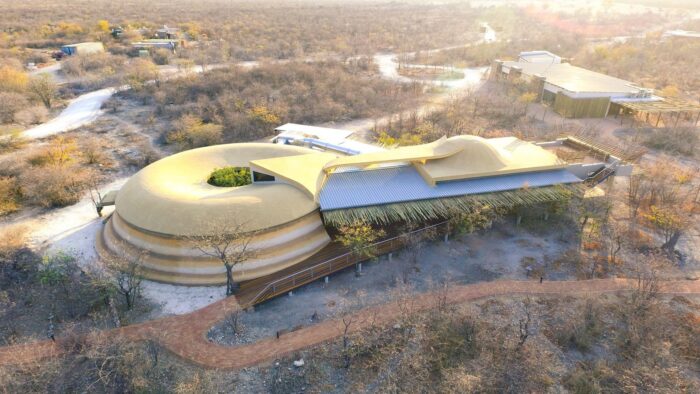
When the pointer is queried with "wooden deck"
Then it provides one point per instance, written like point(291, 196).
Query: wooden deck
point(332, 258)
point(251, 288)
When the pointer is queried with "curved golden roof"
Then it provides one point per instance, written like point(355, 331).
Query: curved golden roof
point(172, 196)
point(459, 157)
point(479, 157)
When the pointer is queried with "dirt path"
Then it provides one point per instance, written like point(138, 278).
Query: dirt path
point(185, 335)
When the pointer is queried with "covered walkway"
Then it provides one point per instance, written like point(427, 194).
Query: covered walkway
point(669, 112)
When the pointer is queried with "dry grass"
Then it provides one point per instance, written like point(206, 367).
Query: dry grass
point(12, 238)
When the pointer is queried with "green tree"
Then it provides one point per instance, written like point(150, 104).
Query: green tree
point(359, 237)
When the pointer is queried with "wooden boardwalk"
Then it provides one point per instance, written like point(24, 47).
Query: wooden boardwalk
point(251, 288)
point(332, 258)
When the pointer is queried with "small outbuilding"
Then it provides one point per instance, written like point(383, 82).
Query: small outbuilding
point(83, 48)
point(169, 33)
point(153, 44)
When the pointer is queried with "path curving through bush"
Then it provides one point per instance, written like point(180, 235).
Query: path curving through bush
point(185, 335)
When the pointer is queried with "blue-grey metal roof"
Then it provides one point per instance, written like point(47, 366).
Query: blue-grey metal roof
point(400, 184)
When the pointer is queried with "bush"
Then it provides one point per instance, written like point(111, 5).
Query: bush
point(11, 240)
point(93, 152)
point(683, 140)
point(60, 152)
point(9, 192)
point(230, 177)
point(10, 105)
point(191, 132)
point(32, 115)
point(101, 63)
point(247, 103)
point(54, 186)
point(13, 80)
point(161, 56)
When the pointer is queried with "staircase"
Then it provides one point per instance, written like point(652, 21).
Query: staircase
point(601, 175)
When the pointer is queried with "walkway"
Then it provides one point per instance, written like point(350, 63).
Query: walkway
point(185, 335)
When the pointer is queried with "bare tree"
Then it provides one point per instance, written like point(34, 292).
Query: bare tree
point(347, 322)
point(44, 89)
point(672, 202)
point(415, 242)
point(524, 324)
point(233, 322)
point(127, 279)
point(230, 244)
point(637, 191)
point(129, 282)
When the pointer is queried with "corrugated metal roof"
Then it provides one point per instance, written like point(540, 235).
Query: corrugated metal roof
point(294, 130)
point(400, 184)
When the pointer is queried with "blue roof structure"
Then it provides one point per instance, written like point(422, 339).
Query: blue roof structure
point(352, 189)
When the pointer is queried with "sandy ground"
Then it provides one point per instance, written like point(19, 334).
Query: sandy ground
point(81, 111)
point(493, 254)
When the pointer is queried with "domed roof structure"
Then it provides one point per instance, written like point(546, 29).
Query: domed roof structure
point(172, 196)
point(164, 205)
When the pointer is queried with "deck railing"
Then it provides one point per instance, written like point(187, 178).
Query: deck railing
point(344, 260)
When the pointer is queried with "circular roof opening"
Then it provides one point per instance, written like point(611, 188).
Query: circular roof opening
point(230, 177)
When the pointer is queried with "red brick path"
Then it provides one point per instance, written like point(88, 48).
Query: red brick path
point(185, 335)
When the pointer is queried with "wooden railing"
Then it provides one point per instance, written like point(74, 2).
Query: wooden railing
point(307, 275)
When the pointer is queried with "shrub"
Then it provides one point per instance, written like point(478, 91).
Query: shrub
point(32, 115)
point(60, 152)
point(10, 104)
point(10, 139)
point(11, 240)
point(9, 191)
point(230, 177)
point(161, 56)
point(101, 63)
point(683, 140)
point(93, 152)
point(140, 71)
point(54, 186)
point(54, 268)
point(12, 80)
point(143, 155)
point(191, 132)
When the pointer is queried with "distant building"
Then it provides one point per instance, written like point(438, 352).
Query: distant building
point(682, 33)
point(83, 48)
point(169, 44)
point(117, 32)
point(169, 33)
point(574, 92)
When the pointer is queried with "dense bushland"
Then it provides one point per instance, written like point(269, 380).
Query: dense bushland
point(248, 104)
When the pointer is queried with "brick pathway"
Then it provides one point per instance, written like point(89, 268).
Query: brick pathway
point(185, 335)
